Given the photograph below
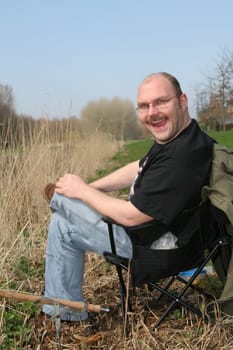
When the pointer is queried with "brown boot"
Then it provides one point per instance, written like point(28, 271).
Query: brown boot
point(49, 191)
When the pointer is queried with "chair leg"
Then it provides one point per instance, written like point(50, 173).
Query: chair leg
point(170, 307)
point(123, 292)
point(177, 299)
point(169, 283)
point(123, 295)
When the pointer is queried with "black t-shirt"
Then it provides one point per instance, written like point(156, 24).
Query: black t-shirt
point(171, 176)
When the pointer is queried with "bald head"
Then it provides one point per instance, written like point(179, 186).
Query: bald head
point(174, 82)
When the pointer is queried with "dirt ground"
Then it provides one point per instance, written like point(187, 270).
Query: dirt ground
point(181, 330)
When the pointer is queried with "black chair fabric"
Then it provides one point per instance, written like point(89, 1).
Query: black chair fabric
point(150, 265)
point(202, 238)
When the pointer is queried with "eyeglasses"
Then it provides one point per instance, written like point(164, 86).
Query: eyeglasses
point(159, 103)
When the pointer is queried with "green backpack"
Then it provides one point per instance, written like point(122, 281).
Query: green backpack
point(220, 194)
point(220, 189)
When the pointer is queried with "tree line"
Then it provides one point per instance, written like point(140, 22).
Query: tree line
point(214, 98)
point(116, 117)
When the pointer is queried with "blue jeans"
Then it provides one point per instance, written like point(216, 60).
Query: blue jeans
point(74, 229)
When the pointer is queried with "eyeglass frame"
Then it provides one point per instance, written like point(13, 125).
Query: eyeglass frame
point(158, 103)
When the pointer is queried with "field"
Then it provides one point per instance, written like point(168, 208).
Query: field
point(24, 217)
point(224, 138)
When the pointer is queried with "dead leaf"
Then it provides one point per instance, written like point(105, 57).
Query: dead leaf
point(88, 340)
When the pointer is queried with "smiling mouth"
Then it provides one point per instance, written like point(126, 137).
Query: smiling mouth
point(158, 122)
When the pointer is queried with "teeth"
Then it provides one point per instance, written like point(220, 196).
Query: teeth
point(156, 121)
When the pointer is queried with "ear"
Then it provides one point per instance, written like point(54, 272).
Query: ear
point(184, 102)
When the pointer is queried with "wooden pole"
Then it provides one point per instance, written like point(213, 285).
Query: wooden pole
point(76, 305)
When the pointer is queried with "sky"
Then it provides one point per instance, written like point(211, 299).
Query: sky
point(58, 55)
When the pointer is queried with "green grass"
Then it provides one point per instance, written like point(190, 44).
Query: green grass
point(131, 151)
point(16, 329)
point(134, 150)
point(223, 137)
point(137, 149)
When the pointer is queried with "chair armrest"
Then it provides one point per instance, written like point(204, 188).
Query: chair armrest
point(109, 220)
point(149, 224)
point(143, 234)
point(116, 259)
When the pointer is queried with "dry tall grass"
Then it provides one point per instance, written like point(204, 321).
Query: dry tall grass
point(24, 217)
point(24, 172)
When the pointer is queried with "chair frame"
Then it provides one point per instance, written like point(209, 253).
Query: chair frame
point(223, 241)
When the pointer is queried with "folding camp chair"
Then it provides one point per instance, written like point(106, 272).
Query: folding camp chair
point(203, 238)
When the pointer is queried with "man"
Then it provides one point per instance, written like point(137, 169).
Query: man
point(164, 183)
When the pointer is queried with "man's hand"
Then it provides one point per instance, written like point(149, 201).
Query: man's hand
point(123, 212)
point(70, 185)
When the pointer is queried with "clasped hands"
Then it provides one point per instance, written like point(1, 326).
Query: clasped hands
point(69, 185)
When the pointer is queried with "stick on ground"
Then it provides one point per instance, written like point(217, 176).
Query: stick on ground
point(76, 305)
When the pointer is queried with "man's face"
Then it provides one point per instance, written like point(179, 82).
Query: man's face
point(160, 110)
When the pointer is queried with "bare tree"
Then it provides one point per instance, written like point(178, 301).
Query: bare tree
point(116, 117)
point(7, 115)
point(217, 94)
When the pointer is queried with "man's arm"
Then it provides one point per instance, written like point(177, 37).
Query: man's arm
point(121, 211)
point(121, 178)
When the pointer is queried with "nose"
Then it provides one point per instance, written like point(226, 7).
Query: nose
point(152, 109)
